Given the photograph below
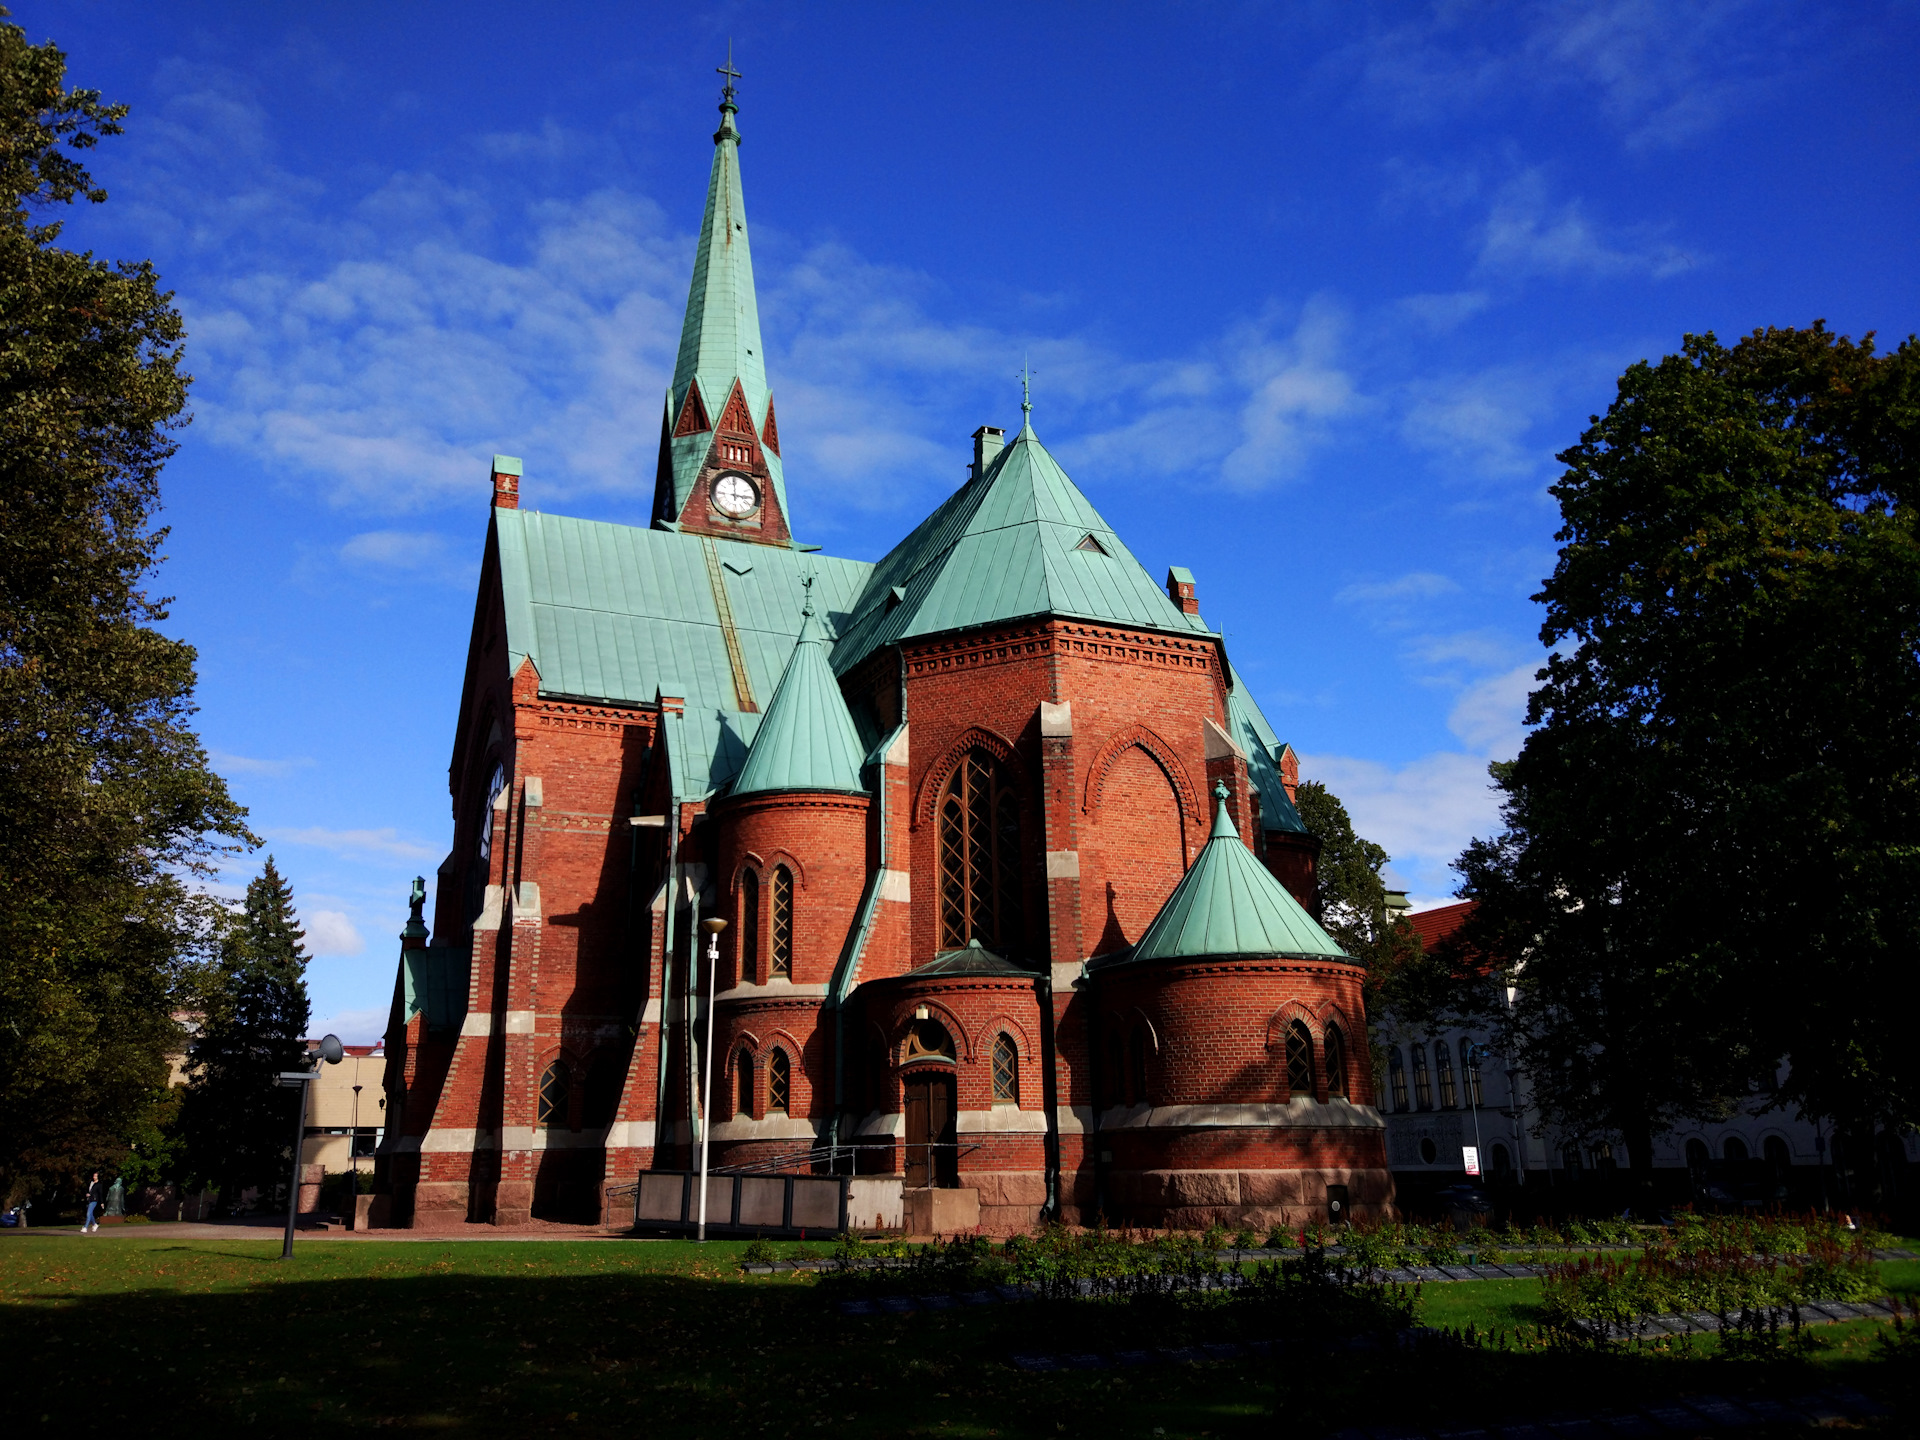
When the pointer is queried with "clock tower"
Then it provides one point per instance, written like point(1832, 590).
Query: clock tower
point(720, 471)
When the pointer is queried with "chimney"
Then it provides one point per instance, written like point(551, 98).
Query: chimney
point(506, 482)
point(988, 441)
point(1180, 589)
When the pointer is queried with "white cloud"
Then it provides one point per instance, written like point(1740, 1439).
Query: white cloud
point(1659, 73)
point(331, 932)
point(1527, 233)
point(1489, 716)
point(1416, 585)
point(355, 1027)
point(384, 843)
point(232, 764)
point(1423, 812)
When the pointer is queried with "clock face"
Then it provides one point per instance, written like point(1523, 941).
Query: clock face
point(735, 495)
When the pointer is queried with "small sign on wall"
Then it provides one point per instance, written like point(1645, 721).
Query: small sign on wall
point(1471, 1155)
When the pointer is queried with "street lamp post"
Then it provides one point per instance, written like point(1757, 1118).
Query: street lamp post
point(1477, 1052)
point(353, 1141)
point(713, 925)
point(298, 1080)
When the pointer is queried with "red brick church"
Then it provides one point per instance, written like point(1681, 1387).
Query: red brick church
point(1016, 899)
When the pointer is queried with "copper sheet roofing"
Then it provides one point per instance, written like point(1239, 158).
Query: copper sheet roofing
point(1006, 545)
point(1228, 903)
point(806, 739)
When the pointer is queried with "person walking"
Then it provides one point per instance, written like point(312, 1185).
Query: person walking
point(95, 1194)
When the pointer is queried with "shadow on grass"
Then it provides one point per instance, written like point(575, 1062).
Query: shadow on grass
point(671, 1355)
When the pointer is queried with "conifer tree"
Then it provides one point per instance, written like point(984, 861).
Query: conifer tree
point(236, 1122)
point(110, 808)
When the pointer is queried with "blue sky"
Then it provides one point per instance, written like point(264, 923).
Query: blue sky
point(1312, 292)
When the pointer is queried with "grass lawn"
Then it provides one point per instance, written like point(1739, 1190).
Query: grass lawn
point(667, 1338)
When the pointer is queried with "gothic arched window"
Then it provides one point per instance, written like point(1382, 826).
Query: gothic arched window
point(1397, 1073)
point(1336, 1058)
point(1006, 1069)
point(553, 1094)
point(979, 856)
point(743, 1082)
point(782, 948)
point(779, 1080)
point(1443, 1061)
point(1470, 1071)
point(750, 927)
point(1299, 1060)
point(1422, 1087)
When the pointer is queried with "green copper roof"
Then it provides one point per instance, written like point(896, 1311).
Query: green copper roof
point(806, 739)
point(720, 339)
point(1255, 736)
point(1007, 544)
point(1230, 904)
point(617, 613)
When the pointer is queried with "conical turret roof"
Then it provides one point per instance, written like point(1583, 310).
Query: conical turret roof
point(806, 739)
point(1231, 904)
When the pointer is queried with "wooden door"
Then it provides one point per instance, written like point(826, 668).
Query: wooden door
point(932, 1156)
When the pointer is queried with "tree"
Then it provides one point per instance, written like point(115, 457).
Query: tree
point(111, 810)
point(1713, 833)
point(235, 1121)
point(1402, 979)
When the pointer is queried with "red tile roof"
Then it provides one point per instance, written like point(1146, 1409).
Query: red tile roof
point(1435, 925)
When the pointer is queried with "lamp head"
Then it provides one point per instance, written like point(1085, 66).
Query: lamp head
point(713, 924)
point(331, 1050)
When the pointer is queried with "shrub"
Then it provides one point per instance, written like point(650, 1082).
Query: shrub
point(758, 1252)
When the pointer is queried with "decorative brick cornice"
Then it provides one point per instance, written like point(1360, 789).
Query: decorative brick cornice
point(1061, 637)
point(585, 716)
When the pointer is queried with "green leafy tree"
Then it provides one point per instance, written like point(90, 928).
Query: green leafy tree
point(1402, 979)
point(111, 810)
point(1712, 849)
point(236, 1122)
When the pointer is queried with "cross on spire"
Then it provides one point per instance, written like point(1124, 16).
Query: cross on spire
point(726, 94)
point(1025, 377)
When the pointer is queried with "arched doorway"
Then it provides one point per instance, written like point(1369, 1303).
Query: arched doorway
point(931, 1109)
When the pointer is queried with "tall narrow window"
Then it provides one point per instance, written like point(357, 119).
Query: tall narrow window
point(1422, 1087)
point(553, 1094)
point(1006, 1069)
point(750, 927)
point(743, 1082)
point(782, 948)
point(779, 1080)
point(1116, 1071)
point(1299, 1060)
point(1142, 1043)
point(1470, 1071)
point(1397, 1073)
point(1443, 1062)
point(1336, 1057)
point(979, 857)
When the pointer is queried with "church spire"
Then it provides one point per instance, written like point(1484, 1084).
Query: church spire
point(719, 471)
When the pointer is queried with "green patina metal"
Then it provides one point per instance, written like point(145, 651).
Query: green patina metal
point(806, 739)
point(1255, 736)
point(1002, 547)
point(720, 339)
point(434, 983)
point(1230, 904)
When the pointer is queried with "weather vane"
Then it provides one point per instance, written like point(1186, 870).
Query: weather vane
point(1025, 378)
point(726, 95)
point(806, 581)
